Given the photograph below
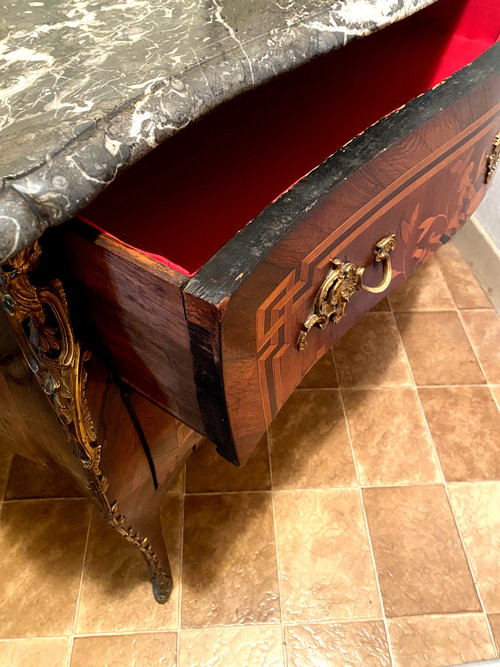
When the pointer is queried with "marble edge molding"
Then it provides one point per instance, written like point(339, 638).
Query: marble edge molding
point(72, 174)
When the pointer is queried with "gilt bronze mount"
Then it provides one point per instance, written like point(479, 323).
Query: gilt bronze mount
point(341, 282)
point(493, 159)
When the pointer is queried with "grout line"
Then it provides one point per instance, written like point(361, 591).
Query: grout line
point(449, 498)
point(80, 585)
point(181, 558)
point(31, 638)
point(469, 564)
point(227, 493)
point(392, 385)
point(476, 355)
point(38, 500)
point(415, 388)
point(71, 643)
point(7, 478)
point(447, 492)
point(292, 489)
point(365, 519)
point(481, 309)
point(384, 486)
point(295, 623)
point(353, 487)
point(374, 619)
point(409, 311)
point(278, 566)
point(413, 385)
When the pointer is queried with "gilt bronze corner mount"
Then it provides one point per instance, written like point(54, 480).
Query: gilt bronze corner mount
point(40, 319)
point(493, 159)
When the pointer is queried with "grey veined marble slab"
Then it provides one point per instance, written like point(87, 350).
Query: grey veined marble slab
point(87, 87)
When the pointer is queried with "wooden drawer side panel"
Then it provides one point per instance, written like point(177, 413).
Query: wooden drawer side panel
point(136, 306)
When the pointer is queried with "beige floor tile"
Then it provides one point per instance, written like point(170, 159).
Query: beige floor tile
point(434, 641)
point(326, 567)
point(29, 480)
point(229, 570)
point(353, 644)
point(207, 471)
point(420, 561)
point(143, 650)
point(116, 591)
point(465, 427)
point(494, 620)
point(426, 289)
point(438, 349)
point(389, 436)
point(250, 646)
point(483, 328)
point(41, 554)
point(322, 375)
point(461, 283)
point(309, 442)
point(371, 353)
point(34, 652)
point(477, 508)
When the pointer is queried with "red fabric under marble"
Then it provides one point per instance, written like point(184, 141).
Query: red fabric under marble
point(194, 192)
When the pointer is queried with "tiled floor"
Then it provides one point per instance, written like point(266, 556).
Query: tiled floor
point(364, 531)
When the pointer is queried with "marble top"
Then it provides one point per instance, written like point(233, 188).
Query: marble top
point(87, 87)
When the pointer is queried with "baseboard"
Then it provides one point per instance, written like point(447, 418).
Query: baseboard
point(482, 256)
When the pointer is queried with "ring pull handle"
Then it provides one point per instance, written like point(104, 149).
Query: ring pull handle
point(382, 254)
point(342, 281)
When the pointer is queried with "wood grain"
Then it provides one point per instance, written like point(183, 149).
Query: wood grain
point(217, 351)
point(141, 446)
point(135, 304)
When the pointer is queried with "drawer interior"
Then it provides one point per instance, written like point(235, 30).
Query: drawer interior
point(189, 196)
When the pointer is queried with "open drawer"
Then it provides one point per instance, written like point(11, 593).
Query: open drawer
point(200, 275)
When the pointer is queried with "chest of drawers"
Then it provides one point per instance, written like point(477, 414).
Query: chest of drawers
point(210, 277)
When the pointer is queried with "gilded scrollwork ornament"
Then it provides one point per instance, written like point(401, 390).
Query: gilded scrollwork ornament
point(342, 281)
point(493, 159)
point(40, 319)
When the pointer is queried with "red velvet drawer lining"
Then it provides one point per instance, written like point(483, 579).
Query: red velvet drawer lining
point(190, 195)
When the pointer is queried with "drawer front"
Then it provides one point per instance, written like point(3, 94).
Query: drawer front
point(421, 190)
point(219, 350)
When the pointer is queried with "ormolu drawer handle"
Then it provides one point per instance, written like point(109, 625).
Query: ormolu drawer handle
point(493, 159)
point(342, 281)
